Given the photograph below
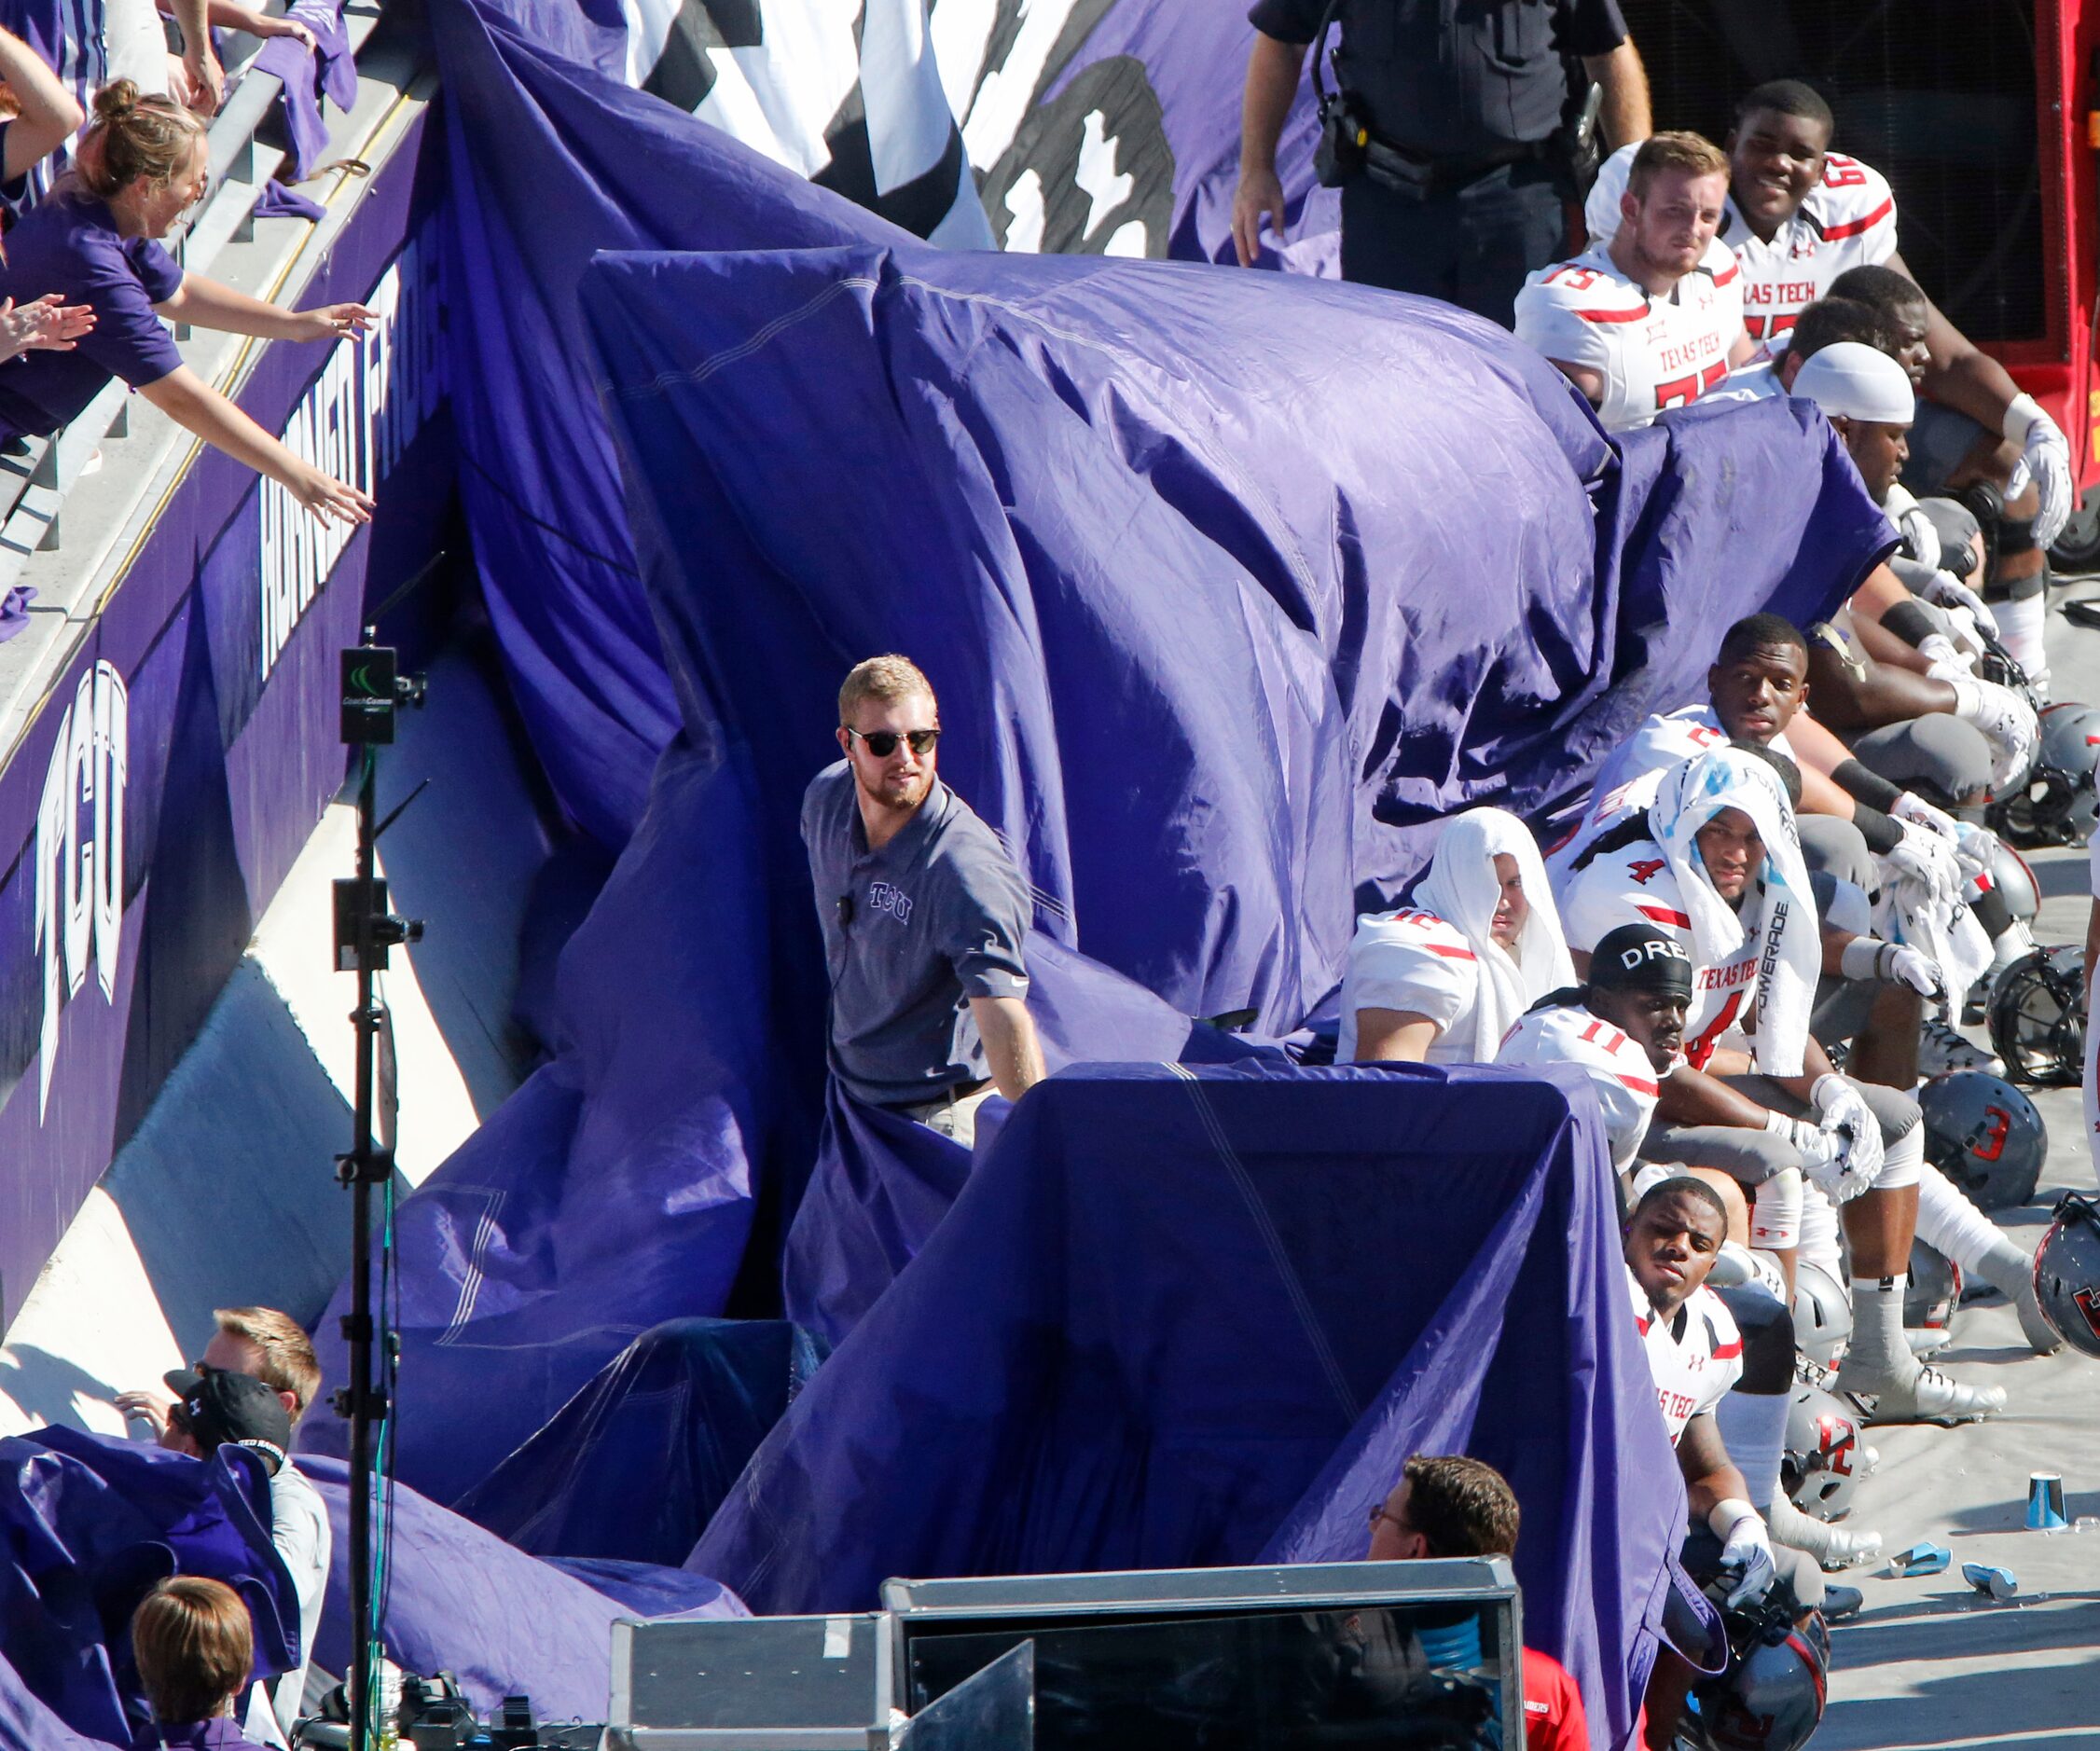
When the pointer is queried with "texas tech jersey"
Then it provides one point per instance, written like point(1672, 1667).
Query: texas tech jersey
point(1695, 1358)
point(1634, 885)
point(1653, 353)
point(1412, 959)
point(1618, 1069)
point(1633, 772)
point(1848, 220)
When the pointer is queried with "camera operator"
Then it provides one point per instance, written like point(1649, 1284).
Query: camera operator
point(1458, 139)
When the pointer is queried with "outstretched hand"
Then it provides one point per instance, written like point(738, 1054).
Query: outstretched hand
point(332, 321)
point(48, 324)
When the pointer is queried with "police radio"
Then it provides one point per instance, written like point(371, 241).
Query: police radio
point(1344, 130)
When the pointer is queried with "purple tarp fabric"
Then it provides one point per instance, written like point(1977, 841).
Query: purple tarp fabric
point(647, 1450)
point(88, 1525)
point(549, 162)
point(1187, 1317)
point(1232, 585)
point(455, 1601)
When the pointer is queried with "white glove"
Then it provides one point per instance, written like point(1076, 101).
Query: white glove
point(1949, 591)
point(1844, 1110)
point(1913, 969)
point(2008, 721)
point(1822, 1155)
point(1746, 1546)
point(1975, 845)
point(1913, 807)
point(1921, 535)
point(1925, 858)
point(1941, 652)
point(2047, 455)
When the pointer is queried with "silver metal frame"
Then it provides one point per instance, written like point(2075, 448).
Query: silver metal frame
point(621, 1735)
point(1306, 1586)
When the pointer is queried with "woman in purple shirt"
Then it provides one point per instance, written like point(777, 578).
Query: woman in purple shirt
point(142, 163)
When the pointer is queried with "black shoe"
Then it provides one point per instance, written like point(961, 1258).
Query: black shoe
point(1840, 1602)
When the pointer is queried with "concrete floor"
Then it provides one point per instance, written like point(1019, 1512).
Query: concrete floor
point(1930, 1662)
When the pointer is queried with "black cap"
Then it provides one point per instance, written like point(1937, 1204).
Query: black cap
point(1639, 958)
point(220, 1406)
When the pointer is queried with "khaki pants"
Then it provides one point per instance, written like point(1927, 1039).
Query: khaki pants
point(953, 1114)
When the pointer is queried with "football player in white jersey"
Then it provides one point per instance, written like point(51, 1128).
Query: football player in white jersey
point(1798, 216)
point(1695, 1353)
point(1958, 453)
point(1442, 980)
point(1652, 317)
point(1855, 825)
point(1623, 1029)
point(1723, 875)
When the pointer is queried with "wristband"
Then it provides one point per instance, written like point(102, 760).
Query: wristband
point(1909, 621)
point(1728, 1513)
point(1881, 834)
point(1861, 958)
point(2021, 414)
point(1866, 785)
point(1828, 1079)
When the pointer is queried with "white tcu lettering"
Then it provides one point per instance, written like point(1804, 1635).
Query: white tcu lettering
point(79, 871)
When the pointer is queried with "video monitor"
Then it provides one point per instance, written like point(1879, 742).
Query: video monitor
point(1410, 1656)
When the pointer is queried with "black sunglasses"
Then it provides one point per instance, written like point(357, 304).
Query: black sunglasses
point(883, 743)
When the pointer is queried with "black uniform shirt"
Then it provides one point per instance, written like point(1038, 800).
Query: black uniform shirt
point(1456, 80)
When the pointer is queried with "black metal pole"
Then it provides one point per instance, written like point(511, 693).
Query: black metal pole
point(357, 1327)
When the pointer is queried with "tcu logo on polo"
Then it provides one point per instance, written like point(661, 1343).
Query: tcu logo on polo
point(80, 852)
point(884, 897)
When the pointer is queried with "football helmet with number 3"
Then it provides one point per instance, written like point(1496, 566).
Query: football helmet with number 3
point(1986, 1135)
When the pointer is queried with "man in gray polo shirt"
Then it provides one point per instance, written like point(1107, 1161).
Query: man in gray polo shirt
point(923, 914)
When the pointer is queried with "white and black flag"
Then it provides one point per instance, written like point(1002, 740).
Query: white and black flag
point(845, 92)
point(916, 114)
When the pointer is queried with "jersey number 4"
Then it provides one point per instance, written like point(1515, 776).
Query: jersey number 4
point(1644, 869)
point(1698, 1050)
point(1681, 392)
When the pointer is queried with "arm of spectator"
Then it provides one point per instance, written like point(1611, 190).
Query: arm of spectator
point(206, 304)
point(1273, 71)
point(190, 401)
point(47, 323)
point(1394, 1036)
point(1626, 117)
point(46, 114)
point(1010, 1046)
point(150, 1408)
point(228, 15)
point(201, 65)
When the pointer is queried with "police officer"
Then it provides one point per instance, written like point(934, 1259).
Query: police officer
point(1457, 165)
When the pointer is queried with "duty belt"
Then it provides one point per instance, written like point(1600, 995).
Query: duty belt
point(1410, 172)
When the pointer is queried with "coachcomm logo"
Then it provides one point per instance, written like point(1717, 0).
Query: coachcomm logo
point(80, 853)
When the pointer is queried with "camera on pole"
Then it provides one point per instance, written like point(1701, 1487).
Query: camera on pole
point(374, 690)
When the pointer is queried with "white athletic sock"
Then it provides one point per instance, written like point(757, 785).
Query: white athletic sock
point(2023, 622)
point(1776, 1216)
point(1949, 1221)
point(1754, 1429)
point(1879, 1353)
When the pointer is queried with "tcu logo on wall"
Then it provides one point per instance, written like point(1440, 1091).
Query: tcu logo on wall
point(80, 853)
